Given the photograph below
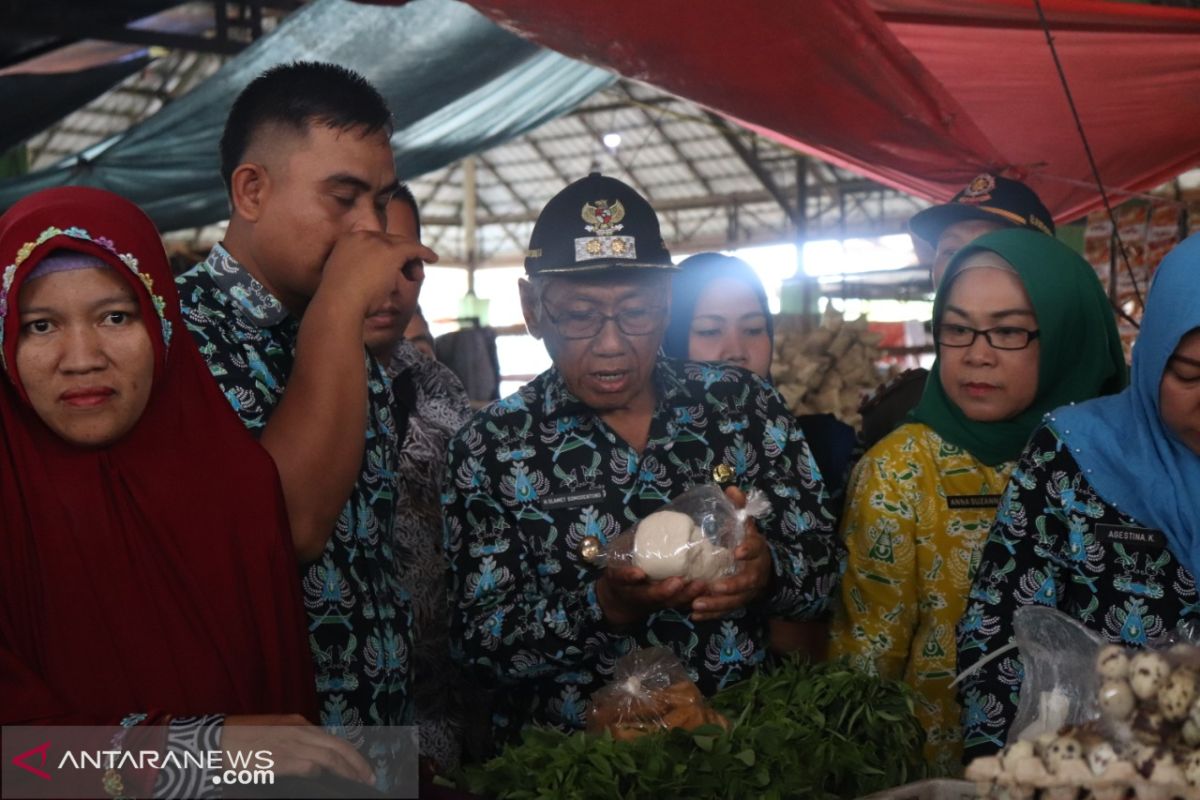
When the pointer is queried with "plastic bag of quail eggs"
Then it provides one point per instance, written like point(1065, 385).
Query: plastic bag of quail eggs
point(1073, 676)
point(1058, 654)
point(1152, 694)
point(694, 536)
point(1139, 739)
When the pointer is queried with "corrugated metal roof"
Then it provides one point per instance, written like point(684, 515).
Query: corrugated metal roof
point(709, 179)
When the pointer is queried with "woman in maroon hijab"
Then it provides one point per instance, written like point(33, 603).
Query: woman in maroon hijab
point(146, 569)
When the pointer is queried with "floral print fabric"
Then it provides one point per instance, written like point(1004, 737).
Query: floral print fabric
point(360, 616)
point(537, 473)
point(917, 513)
point(1056, 542)
point(436, 406)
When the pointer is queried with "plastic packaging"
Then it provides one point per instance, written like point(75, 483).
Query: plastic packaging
point(650, 692)
point(1060, 682)
point(1099, 720)
point(693, 537)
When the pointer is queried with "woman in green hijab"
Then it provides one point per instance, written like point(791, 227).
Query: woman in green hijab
point(1022, 326)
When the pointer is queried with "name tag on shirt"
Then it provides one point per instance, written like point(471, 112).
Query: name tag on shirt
point(572, 499)
point(973, 500)
point(1148, 538)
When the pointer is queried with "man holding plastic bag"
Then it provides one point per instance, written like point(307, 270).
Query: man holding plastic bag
point(560, 563)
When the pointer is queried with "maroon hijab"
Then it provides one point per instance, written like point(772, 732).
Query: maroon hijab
point(155, 574)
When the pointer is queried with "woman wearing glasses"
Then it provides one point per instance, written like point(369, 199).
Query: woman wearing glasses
point(1022, 326)
point(1102, 517)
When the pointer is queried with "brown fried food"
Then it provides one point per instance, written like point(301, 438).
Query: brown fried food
point(683, 693)
point(686, 717)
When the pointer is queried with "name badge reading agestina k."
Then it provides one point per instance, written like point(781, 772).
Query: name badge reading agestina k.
point(1130, 536)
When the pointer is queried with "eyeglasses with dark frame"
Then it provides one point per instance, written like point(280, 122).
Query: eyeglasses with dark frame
point(588, 324)
point(1004, 337)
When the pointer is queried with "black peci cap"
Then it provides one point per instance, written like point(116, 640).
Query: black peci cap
point(596, 223)
point(987, 197)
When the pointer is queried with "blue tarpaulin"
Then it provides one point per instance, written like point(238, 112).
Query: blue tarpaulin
point(37, 100)
point(456, 83)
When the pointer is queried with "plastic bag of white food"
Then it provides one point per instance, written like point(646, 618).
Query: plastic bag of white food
point(1058, 653)
point(1072, 676)
point(692, 537)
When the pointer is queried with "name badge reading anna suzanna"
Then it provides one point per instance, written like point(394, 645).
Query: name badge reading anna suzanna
point(1147, 538)
point(973, 500)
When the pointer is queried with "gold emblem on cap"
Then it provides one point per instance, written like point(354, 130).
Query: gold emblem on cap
point(722, 473)
point(594, 247)
point(603, 219)
point(980, 184)
point(979, 190)
point(618, 247)
point(589, 548)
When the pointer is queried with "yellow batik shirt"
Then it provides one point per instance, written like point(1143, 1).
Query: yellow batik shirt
point(918, 511)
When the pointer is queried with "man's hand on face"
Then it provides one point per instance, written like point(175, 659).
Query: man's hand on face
point(752, 578)
point(364, 268)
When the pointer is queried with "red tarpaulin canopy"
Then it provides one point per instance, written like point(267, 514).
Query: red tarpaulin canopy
point(918, 94)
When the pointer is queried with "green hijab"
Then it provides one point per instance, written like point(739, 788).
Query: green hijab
point(1081, 355)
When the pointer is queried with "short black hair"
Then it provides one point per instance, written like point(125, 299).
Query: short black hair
point(296, 95)
point(405, 195)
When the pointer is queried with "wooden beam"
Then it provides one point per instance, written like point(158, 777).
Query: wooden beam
point(694, 245)
point(616, 156)
point(619, 105)
point(662, 206)
point(730, 135)
point(675, 148)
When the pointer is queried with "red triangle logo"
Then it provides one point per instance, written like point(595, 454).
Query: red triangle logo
point(41, 750)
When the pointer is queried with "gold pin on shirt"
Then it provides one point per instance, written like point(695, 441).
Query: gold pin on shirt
point(589, 549)
point(722, 473)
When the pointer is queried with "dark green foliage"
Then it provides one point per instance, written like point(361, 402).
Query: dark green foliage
point(818, 731)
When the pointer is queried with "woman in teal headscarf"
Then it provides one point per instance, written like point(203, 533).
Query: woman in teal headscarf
point(1022, 325)
point(1102, 518)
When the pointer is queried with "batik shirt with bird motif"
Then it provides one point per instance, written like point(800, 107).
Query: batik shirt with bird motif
point(360, 616)
point(535, 476)
point(1057, 543)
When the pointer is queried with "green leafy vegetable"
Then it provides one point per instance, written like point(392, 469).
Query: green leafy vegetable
point(819, 731)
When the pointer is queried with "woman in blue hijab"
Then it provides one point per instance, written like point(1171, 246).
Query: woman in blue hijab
point(1102, 517)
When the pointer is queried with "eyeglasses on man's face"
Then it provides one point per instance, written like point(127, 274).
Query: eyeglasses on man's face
point(1004, 337)
point(585, 324)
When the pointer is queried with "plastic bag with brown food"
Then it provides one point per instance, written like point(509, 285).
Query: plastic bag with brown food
point(650, 692)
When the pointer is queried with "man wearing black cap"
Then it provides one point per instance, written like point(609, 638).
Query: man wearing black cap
point(988, 203)
point(541, 480)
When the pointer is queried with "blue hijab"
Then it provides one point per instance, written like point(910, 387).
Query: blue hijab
point(1132, 459)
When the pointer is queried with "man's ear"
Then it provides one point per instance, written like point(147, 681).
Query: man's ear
point(249, 187)
point(529, 307)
